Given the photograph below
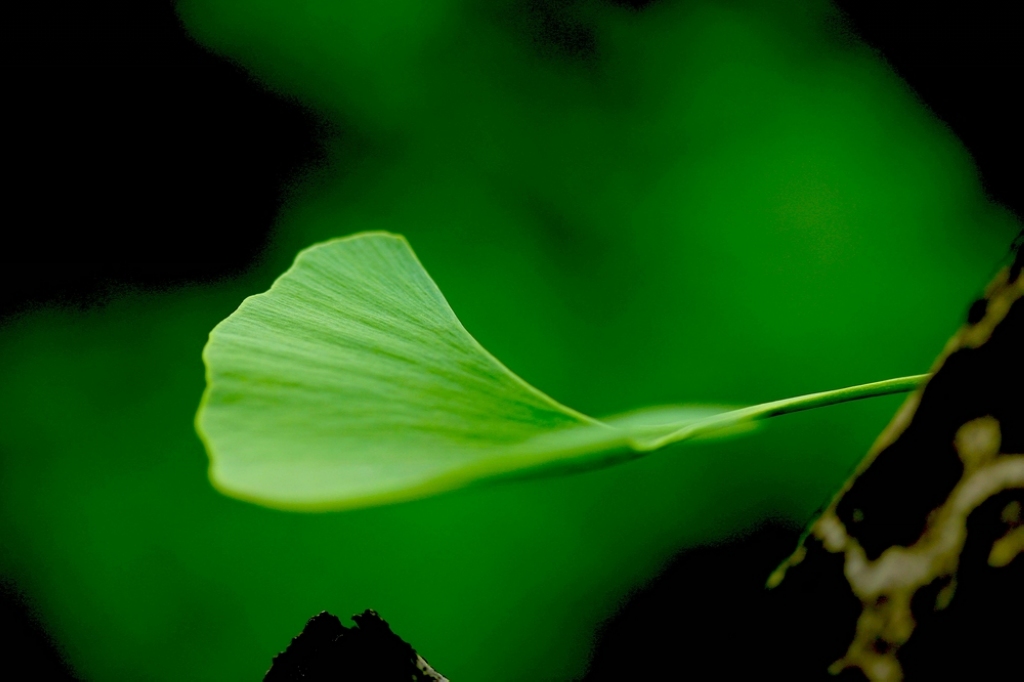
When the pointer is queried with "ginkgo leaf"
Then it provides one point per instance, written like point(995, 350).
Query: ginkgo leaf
point(351, 383)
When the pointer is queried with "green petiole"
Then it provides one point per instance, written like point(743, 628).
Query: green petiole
point(787, 406)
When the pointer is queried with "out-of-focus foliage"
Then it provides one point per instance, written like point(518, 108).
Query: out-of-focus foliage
point(709, 202)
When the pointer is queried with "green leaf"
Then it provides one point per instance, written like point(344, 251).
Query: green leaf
point(352, 383)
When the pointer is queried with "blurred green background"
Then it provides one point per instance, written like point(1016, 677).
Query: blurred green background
point(697, 202)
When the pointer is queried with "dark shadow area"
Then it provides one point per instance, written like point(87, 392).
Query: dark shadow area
point(134, 157)
point(26, 651)
point(709, 616)
point(966, 62)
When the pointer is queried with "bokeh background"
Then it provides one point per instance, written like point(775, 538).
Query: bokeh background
point(628, 203)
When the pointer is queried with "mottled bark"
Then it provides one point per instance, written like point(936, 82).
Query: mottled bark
point(920, 552)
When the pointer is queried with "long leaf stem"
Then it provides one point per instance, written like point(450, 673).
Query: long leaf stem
point(787, 406)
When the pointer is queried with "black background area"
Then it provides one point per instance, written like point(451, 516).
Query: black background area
point(136, 158)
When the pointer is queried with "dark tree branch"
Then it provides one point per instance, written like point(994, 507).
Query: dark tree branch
point(327, 651)
point(922, 548)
